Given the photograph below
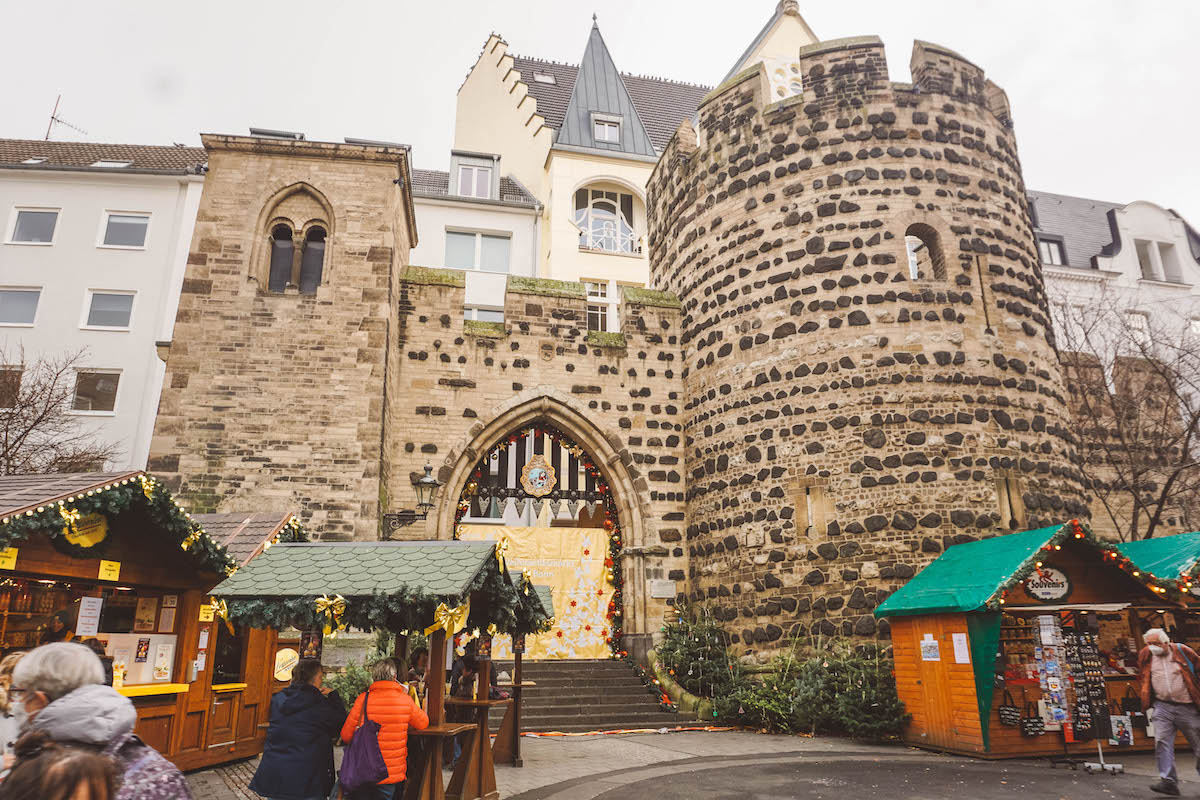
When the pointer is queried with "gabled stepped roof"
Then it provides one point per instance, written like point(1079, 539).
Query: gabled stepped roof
point(661, 104)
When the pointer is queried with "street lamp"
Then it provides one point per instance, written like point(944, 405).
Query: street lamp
point(426, 488)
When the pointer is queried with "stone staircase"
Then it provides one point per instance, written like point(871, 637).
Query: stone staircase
point(574, 696)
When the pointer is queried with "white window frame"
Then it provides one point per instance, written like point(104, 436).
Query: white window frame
point(477, 168)
point(606, 125)
point(472, 312)
point(111, 163)
point(40, 290)
point(12, 225)
point(116, 400)
point(88, 294)
point(478, 234)
point(610, 299)
point(540, 76)
point(619, 236)
point(108, 212)
point(1051, 245)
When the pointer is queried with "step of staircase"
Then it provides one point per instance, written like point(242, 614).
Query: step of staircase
point(585, 695)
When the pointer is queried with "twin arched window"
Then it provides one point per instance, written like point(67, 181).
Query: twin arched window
point(288, 269)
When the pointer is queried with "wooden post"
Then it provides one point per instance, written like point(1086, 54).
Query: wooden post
point(435, 677)
point(518, 701)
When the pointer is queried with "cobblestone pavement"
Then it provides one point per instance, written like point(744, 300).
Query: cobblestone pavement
point(577, 768)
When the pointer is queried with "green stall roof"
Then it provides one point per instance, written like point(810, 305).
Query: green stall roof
point(1169, 557)
point(360, 569)
point(967, 576)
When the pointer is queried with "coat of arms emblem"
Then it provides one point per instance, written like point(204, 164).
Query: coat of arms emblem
point(537, 477)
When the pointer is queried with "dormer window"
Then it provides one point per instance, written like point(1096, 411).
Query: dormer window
point(474, 181)
point(1051, 251)
point(545, 77)
point(606, 130)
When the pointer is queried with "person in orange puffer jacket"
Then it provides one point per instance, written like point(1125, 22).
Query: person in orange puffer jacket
point(394, 710)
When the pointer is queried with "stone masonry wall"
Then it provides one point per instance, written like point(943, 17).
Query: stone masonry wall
point(276, 400)
point(817, 373)
point(457, 377)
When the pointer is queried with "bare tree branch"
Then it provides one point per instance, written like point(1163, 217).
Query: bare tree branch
point(37, 431)
point(1134, 386)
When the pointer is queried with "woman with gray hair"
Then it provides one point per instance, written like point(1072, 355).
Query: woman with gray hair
point(59, 689)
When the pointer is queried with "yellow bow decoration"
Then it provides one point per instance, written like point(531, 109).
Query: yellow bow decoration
point(450, 620)
point(501, 548)
point(333, 608)
point(221, 609)
point(191, 539)
point(148, 485)
point(70, 516)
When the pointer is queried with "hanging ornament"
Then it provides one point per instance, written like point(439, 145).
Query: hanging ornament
point(538, 504)
point(520, 503)
point(573, 507)
point(555, 507)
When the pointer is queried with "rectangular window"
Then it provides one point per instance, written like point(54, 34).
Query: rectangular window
point(811, 510)
point(34, 226)
point(1012, 507)
point(607, 131)
point(110, 310)
point(96, 391)
point(1145, 254)
point(477, 251)
point(109, 164)
point(475, 181)
point(126, 230)
point(10, 385)
point(544, 77)
point(19, 306)
point(1051, 252)
point(597, 313)
point(1170, 266)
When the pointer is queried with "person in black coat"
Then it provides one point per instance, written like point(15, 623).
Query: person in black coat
point(297, 759)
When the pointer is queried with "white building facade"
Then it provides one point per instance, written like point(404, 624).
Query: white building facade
point(484, 223)
point(92, 259)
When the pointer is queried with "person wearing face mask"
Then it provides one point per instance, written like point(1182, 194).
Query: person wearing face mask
point(1167, 674)
point(59, 689)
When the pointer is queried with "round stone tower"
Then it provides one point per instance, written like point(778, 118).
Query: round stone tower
point(871, 373)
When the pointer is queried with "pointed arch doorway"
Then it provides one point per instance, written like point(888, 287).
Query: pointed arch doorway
point(541, 492)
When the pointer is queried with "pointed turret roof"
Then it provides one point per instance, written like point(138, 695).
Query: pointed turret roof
point(788, 26)
point(599, 89)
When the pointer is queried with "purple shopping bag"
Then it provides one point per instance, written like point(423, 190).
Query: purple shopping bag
point(362, 762)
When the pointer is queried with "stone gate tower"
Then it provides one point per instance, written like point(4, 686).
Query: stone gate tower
point(870, 370)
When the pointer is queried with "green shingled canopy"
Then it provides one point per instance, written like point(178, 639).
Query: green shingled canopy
point(386, 586)
point(1168, 557)
point(968, 576)
point(538, 600)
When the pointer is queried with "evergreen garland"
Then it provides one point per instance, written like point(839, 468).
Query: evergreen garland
point(126, 503)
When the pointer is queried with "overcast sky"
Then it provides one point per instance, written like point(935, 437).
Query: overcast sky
point(1104, 94)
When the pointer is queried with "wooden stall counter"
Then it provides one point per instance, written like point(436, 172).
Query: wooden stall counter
point(150, 689)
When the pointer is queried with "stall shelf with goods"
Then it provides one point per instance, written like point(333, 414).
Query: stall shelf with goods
point(111, 557)
point(439, 588)
point(1025, 644)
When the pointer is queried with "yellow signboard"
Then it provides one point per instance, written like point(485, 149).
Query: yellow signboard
point(206, 613)
point(87, 531)
point(110, 570)
point(571, 561)
point(8, 558)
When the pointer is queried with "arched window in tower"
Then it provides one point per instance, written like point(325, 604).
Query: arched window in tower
point(605, 221)
point(312, 261)
point(924, 249)
point(281, 258)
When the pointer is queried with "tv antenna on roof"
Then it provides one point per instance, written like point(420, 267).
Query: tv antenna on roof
point(54, 118)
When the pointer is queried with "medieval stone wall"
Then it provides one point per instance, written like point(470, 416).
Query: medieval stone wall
point(845, 422)
point(275, 400)
point(462, 385)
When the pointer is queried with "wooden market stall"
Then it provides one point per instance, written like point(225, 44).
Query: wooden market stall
point(112, 557)
point(440, 587)
point(1025, 644)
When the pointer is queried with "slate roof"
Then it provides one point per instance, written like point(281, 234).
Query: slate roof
point(20, 493)
point(661, 104)
point(544, 594)
point(242, 533)
point(436, 183)
point(359, 569)
point(1082, 224)
point(164, 159)
point(599, 89)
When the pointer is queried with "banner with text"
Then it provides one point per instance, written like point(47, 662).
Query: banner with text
point(571, 562)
